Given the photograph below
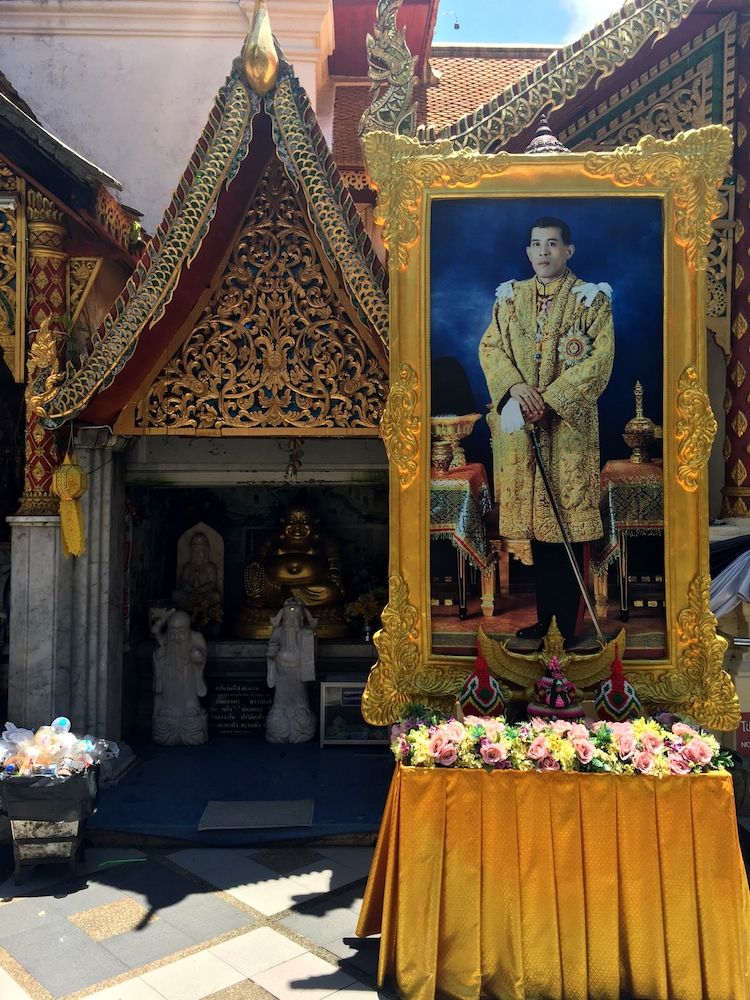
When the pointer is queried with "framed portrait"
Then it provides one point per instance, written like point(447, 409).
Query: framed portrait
point(548, 426)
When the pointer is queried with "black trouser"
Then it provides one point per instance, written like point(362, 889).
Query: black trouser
point(557, 591)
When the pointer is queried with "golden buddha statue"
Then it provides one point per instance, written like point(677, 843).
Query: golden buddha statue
point(294, 562)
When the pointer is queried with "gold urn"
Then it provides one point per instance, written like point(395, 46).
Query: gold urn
point(639, 431)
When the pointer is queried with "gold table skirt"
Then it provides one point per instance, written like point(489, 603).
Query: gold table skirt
point(518, 886)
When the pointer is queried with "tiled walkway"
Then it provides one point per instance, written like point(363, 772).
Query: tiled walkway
point(225, 924)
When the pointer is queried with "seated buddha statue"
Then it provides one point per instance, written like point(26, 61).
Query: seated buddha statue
point(297, 561)
point(199, 577)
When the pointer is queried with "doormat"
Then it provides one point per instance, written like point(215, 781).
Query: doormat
point(256, 815)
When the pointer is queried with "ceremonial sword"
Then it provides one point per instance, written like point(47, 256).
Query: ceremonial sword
point(564, 532)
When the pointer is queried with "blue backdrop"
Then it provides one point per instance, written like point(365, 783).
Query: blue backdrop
point(476, 243)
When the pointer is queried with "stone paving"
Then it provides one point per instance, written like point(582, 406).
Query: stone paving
point(190, 924)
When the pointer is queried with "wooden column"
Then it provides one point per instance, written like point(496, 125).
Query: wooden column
point(47, 298)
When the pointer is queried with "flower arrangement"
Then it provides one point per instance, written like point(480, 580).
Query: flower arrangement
point(367, 607)
point(642, 746)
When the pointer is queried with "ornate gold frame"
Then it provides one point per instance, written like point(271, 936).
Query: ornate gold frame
point(684, 174)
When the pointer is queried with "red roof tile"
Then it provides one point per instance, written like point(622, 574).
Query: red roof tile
point(470, 76)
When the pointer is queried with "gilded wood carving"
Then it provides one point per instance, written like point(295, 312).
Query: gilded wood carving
point(275, 347)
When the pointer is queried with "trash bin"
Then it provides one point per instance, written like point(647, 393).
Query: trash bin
point(48, 816)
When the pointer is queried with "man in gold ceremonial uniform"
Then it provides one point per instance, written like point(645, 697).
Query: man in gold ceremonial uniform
point(549, 348)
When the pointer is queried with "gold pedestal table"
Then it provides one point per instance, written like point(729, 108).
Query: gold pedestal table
point(516, 885)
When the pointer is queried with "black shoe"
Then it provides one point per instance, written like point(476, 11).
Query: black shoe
point(535, 631)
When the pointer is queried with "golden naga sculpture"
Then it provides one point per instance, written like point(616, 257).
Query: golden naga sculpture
point(297, 561)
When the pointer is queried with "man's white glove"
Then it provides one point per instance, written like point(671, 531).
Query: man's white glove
point(511, 418)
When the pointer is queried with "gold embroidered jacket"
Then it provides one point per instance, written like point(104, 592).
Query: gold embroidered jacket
point(570, 363)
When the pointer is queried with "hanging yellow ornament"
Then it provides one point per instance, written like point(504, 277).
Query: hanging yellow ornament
point(69, 483)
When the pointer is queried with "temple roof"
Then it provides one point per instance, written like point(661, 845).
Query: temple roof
point(15, 116)
point(469, 76)
point(191, 246)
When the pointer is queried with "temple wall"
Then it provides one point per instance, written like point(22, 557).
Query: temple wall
point(112, 84)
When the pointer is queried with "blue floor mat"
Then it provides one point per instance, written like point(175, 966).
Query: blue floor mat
point(165, 793)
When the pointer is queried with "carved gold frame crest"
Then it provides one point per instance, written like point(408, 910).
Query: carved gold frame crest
point(684, 175)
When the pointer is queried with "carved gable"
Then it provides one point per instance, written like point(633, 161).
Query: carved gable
point(278, 347)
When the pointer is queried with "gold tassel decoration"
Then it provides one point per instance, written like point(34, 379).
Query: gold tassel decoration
point(69, 483)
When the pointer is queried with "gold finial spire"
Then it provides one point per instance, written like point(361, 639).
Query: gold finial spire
point(259, 58)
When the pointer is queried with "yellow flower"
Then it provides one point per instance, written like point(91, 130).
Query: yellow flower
point(641, 726)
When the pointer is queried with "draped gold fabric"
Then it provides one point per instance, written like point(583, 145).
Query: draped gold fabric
point(572, 886)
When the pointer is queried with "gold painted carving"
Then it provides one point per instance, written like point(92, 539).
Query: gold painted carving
point(40, 211)
point(391, 73)
point(398, 676)
point(401, 169)
point(720, 256)
point(691, 165)
point(12, 272)
point(564, 74)
point(329, 205)
point(82, 272)
point(399, 426)
point(695, 429)
point(143, 300)
point(660, 105)
point(43, 357)
point(700, 687)
point(275, 347)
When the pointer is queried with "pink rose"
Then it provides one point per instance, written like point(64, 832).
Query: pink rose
point(396, 730)
point(438, 741)
point(474, 720)
point(585, 750)
point(493, 753)
point(538, 749)
point(678, 764)
point(493, 728)
point(625, 745)
point(651, 742)
point(622, 728)
point(454, 730)
point(537, 724)
point(644, 762)
point(698, 751)
point(598, 725)
point(682, 729)
point(447, 755)
point(550, 764)
point(578, 731)
point(560, 727)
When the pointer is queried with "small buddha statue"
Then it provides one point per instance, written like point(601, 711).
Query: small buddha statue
point(297, 561)
point(199, 578)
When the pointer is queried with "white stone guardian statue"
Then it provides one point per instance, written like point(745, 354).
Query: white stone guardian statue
point(179, 659)
point(291, 664)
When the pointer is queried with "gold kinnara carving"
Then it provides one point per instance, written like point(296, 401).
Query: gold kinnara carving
point(399, 426)
point(43, 357)
point(275, 347)
point(401, 169)
point(700, 687)
point(695, 429)
point(692, 165)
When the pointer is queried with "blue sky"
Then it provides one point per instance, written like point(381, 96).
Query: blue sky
point(517, 21)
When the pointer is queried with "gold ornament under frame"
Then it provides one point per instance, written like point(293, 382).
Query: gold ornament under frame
point(684, 175)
